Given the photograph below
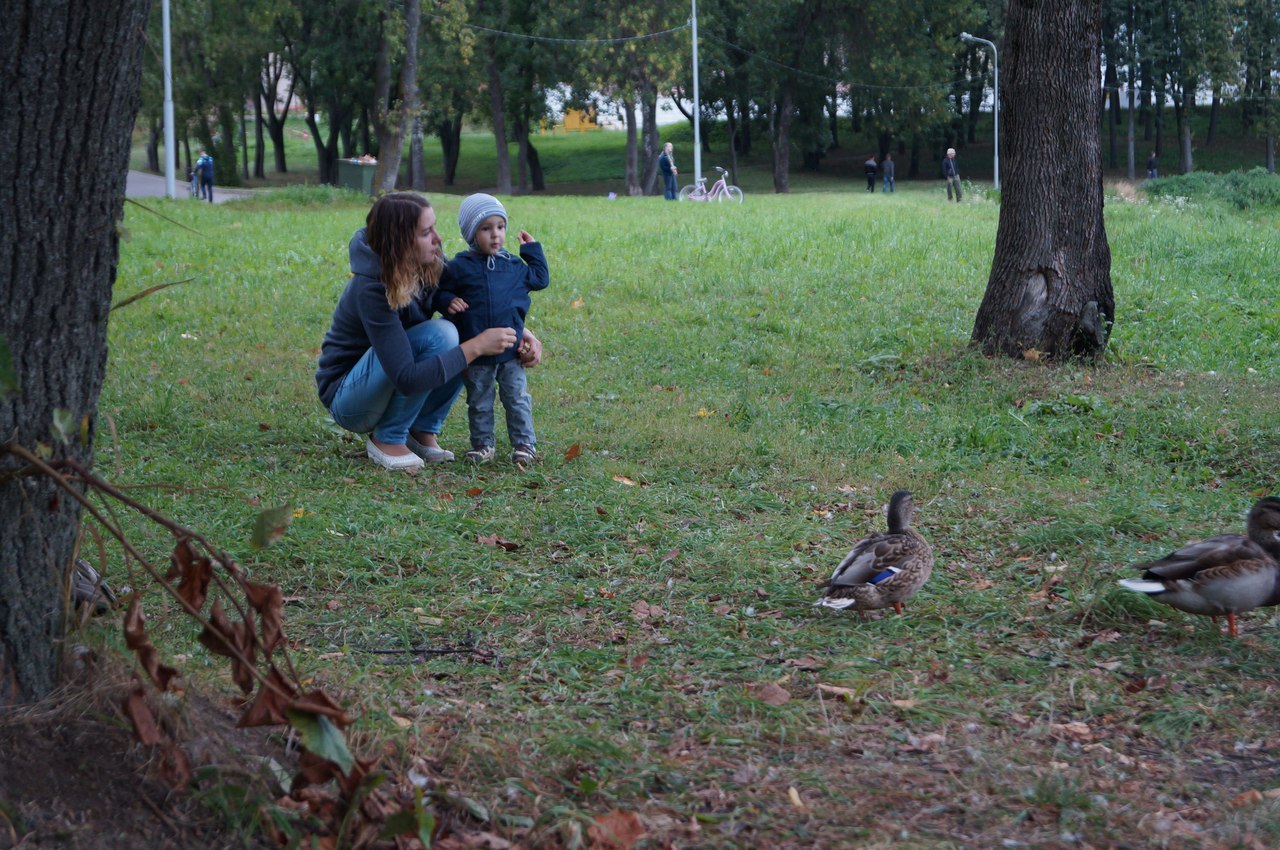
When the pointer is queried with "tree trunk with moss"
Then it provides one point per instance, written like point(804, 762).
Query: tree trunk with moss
point(1050, 286)
point(72, 70)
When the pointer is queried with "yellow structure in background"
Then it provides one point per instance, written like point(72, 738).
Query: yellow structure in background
point(575, 120)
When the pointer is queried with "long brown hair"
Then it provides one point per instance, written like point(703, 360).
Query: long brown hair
point(391, 229)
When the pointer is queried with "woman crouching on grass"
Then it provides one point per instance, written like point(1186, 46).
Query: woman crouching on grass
point(387, 369)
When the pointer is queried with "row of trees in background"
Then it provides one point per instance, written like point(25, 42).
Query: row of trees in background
point(371, 73)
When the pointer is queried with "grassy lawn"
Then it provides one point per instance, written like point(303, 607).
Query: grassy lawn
point(746, 387)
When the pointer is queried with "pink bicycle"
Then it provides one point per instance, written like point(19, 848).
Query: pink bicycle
point(719, 191)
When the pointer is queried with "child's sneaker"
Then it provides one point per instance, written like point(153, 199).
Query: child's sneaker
point(524, 455)
point(481, 455)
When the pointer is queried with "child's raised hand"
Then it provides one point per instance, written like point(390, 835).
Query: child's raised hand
point(456, 306)
point(525, 238)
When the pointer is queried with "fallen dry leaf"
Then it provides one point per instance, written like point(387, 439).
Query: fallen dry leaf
point(615, 830)
point(572, 452)
point(1246, 798)
point(1074, 731)
point(772, 694)
point(475, 491)
point(644, 611)
point(924, 743)
point(622, 479)
point(836, 690)
point(794, 796)
point(577, 304)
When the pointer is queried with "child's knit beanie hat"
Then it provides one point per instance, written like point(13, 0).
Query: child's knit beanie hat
point(475, 209)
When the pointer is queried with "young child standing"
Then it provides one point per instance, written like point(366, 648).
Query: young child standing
point(486, 287)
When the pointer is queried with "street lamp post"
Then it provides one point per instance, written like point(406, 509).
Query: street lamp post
point(169, 132)
point(995, 107)
point(697, 106)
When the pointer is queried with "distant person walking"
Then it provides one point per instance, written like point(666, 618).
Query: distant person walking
point(951, 173)
point(886, 168)
point(869, 167)
point(1153, 170)
point(204, 175)
point(667, 165)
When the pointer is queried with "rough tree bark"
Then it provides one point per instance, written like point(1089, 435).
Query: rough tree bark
point(72, 70)
point(391, 118)
point(1050, 284)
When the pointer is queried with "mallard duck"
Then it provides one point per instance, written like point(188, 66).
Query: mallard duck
point(1228, 574)
point(88, 587)
point(882, 569)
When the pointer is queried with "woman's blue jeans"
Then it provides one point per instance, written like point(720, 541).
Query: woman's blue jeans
point(366, 401)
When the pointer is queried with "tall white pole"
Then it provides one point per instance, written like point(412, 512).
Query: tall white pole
point(995, 110)
point(697, 107)
point(995, 106)
point(170, 153)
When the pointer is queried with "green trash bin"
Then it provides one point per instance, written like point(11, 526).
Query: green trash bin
point(353, 174)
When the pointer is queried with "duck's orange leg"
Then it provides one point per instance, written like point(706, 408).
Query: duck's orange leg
point(897, 606)
point(1231, 624)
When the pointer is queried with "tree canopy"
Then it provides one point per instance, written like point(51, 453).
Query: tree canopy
point(897, 69)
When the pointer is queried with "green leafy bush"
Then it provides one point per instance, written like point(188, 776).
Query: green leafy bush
point(1244, 190)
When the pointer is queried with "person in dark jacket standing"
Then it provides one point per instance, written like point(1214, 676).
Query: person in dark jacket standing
point(667, 165)
point(386, 369)
point(483, 288)
point(1153, 166)
point(204, 175)
point(951, 173)
point(886, 169)
point(869, 168)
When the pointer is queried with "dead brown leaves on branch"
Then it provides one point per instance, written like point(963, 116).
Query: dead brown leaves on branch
point(346, 800)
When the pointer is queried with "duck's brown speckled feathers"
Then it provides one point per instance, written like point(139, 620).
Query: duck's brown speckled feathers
point(883, 569)
point(1223, 575)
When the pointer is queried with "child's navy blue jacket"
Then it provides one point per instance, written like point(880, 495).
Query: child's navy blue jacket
point(496, 290)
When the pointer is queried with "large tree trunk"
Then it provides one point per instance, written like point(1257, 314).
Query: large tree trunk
point(259, 141)
point(650, 146)
point(326, 149)
point(631, 176)
point(392, 119)
point(780, 130)
point(499, 124)
point(73, 65)
point(1185, 105)
point(1213, 115)
point(450, 133)
point(1050, 285)
point(536, 177)
point(153, 146)
point(417, 161)
point(272, 73)
point(521, 132)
